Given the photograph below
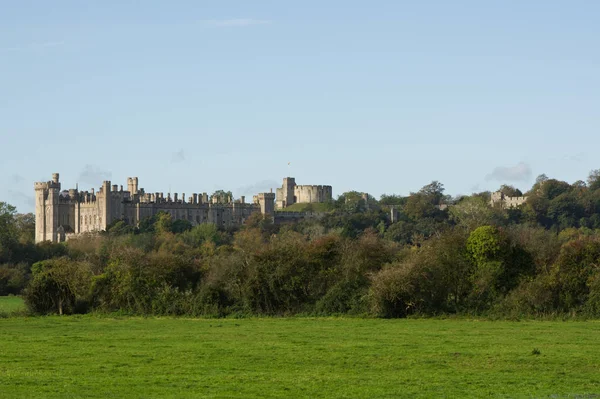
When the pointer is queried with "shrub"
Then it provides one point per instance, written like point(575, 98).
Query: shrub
point(59, 286)
point(13, 279)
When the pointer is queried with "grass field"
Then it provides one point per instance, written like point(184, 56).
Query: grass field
point(11, 304)
point(314, 207)
point(92, 356)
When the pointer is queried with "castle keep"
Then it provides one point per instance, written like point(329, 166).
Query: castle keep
point(290, 194)
point(59, 214)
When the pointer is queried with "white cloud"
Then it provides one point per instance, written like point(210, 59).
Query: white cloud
point(93, 175)
point(235, 22)
point(519, 172)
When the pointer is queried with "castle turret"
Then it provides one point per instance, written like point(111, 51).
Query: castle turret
point(267, 203)
point(105, 205)
point(41, 190)
point(288, 190)
point(46, 209)
point(52, 209)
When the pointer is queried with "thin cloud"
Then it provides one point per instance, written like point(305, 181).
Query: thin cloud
point(235, 22)
point(575, 157)
point(92, 174)
point(258, 187)
point(21, 198)
point(178, 156)
point(519, 172)
point(16, 178)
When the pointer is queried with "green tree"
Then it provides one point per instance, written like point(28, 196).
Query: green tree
point(59, 286)
point(180, 226)
point(8, 231)
point(25, 224)
point(594, 180)
point(472, 212)
point(392, 199)
point(434, 191)
point(510, 191)
point(352, 202)
point(485, 244)
point(163, 223)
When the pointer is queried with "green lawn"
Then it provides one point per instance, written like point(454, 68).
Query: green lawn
point(295, 357)
point(314, 207)
point(11, 304)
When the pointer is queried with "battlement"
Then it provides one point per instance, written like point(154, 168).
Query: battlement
point(290, 193)
point(498, 198)
point(62, 214)
point(312, 187)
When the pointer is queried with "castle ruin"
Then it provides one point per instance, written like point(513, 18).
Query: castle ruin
point(60, 214)
point(504, 201)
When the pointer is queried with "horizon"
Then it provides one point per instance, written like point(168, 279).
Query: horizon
point(97, 187)
point(379, 98)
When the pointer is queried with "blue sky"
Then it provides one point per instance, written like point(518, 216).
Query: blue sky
point(377, 96)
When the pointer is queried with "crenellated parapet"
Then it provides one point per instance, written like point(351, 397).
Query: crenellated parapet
point(64, 214)
point(502, 200)
point(290, 193)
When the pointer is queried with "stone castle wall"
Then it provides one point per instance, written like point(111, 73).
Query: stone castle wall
point(500, 199)
point(60, 214)
point(312, 194)
point(290, 193)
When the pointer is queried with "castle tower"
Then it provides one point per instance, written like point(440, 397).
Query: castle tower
point(46, 209)
point(132, 185)
point(267, 203)
point(52, 209)
point(104, 202)
point(288, 190)
point(41, 189)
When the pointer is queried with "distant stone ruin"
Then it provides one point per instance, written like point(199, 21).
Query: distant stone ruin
point(502, 200)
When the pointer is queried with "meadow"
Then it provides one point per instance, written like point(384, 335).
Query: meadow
point(100, 356)
point(10, 305)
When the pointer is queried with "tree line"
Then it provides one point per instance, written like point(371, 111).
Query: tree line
point(442, 255)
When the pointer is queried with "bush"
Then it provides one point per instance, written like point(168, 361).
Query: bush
point(395, 291)
point(13, 279)
point(59, 286)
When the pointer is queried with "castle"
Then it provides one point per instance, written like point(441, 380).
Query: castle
point(61, 214)
point(290, 193)
point(502, 200)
